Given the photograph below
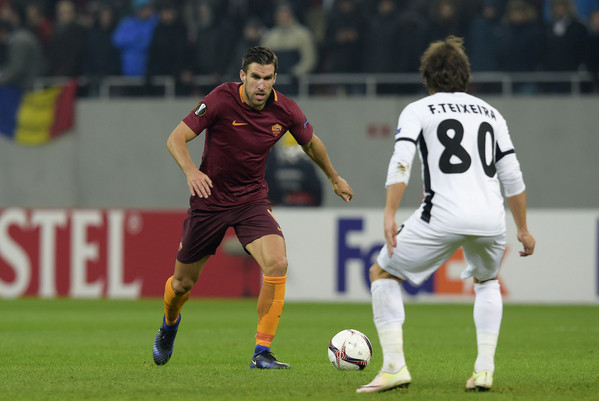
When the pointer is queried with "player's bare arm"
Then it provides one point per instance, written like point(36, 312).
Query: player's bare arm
point(394, 195)
point(316, 150)
point(198, 182)
point(517, 205)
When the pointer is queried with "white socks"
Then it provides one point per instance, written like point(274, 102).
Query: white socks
point(488, 310)
point(389, 315)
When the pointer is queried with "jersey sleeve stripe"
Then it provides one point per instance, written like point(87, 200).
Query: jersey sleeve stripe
point(500, 155)
point(429, 193)
point(406, 139)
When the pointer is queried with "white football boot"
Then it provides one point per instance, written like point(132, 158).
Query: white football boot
point(385, 381)
point(481, 381)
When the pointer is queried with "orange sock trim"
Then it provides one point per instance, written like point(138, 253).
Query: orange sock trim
point(270, 307)
point(173, 303)
point(275, 280)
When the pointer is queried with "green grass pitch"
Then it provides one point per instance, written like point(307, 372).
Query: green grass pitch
point(101, 350)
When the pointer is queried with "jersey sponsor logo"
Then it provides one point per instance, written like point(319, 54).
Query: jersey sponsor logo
point(277, 129)
point(200, 109)
point(306, 123)
point(237, 124)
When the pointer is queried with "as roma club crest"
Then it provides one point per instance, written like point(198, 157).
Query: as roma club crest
point(277, 129)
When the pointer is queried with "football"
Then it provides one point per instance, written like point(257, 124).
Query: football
point(350, 350)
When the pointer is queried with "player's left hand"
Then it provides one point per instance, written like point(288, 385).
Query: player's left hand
point(528, 243)
point(342, 188)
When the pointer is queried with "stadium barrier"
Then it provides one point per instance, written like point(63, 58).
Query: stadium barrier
point(128, 254)
point(573, 83)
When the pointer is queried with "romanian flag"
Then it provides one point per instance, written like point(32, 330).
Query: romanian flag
point(34, 118)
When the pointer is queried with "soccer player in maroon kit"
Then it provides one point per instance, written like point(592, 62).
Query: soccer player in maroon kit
point(242, 122)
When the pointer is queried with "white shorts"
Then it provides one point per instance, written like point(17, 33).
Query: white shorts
point(421, 250)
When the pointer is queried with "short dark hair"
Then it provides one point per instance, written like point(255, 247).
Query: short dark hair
point(261, 55)
point(445, 66)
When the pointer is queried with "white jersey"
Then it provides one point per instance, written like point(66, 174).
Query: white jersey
point(465, 150)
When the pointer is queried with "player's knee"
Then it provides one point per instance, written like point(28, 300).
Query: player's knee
point(477, 281)
point(276, 267)
point(376, 272)
point(183, 285)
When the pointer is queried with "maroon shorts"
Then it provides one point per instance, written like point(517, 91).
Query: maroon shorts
point(203, 231)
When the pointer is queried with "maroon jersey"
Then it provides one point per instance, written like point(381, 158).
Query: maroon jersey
point(238, 140)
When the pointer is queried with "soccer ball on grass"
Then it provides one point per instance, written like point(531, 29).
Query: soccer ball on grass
point(350, 350)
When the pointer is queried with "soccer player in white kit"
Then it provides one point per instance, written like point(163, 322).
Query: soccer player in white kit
point(466, 153)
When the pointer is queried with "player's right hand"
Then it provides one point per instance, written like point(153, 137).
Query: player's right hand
point(390, 234)
point(199, 184)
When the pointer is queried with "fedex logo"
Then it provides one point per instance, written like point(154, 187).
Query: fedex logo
point(351, 253)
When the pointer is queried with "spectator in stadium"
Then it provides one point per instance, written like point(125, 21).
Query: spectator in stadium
point(582, 8)
point(566, 39)
point(215, 35)
point(229, 189)
point(413, 39)
point(132, 37)
point(68, 42)
point(24, 55)
point(219, 10)
point(382, 40)
point(484, 38)
point(345, 38)
point(266, 10)
point(463, 207)
point(522, 42)
point(102, 57)
point(251, 36)
point(593, 59)
point(293, 43)
point(446, 19)
point(522, 38)
point(39, 23)
point(170, 48)
point(316, 21)
point(394, 43)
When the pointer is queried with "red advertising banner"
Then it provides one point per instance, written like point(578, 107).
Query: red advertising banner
point(113, 253)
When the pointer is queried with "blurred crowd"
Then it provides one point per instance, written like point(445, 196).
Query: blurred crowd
point(187, 38)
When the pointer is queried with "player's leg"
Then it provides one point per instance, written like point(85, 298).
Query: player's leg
point(389, 315)
point(270, 253)
point(178, 286)
point(202, 234)
point(176, 293)
point(418, 253)
point(484, 255)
